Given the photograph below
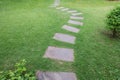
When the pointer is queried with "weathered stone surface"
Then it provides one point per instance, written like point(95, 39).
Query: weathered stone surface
point(65, 38)
point(65, 9)
point(72, 11)
point(70, 28)
point(63, 54)
point(60, 8)
point(76, 14)
point(75, 22)
point(52, 6)
point(56, 75)
point(57, 2)
point(76, 17)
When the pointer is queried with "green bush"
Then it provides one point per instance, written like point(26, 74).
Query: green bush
point(20, 73)
point(113, 21)
point(113, 0)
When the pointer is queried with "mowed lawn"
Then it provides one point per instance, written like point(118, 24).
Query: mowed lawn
point(27, 28)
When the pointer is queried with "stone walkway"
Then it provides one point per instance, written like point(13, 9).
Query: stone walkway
point(65, 9)
point(76, 14)
point(72, 11)
point(64, 38)
point(75, 22)
point(60, 8)
point(71, 29)
point(63, 54)
point(56, 3)
point(56, 76)
point(76, 17)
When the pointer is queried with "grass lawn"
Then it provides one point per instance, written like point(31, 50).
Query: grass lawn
point(27, 28)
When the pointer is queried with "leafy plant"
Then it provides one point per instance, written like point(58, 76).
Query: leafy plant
point(113, 0)
point(20, 73)
point(113, 21)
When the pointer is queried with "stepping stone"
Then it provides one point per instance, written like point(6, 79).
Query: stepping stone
point(56, 75)
point(64, 38)
point(65, 9)
point(76, 14)
point(73, 11)
point(57, 2)
point(75, 17)
point(60, 8)
point(75, 22)
point(70, 28)
point(63, 54)
point(52, 6)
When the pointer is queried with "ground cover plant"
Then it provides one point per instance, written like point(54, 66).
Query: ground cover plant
point(19, 73)
point(27, 28)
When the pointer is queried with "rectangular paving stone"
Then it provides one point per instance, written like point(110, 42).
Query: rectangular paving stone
point(65, 9)
point(76, 14)
point(64, 38)
point(63, 54)
point(71, 29)
point(52, 6)
point(60, 8)
point(76, 17)
point(72, 11)
point(75, 22)
point(56, 75)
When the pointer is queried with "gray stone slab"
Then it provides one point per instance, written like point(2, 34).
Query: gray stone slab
point(65, 9)
point(52, 6)
point(60, 8)
point(75, 22)
point(71, 29)
point(76, 14)
point(72, 11)
point(56, 75)
point(57, 2)
point(63, 54)
point(76, 17)
point(64, 38)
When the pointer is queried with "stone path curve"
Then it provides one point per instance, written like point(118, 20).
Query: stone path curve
point(62, 54)
point(54, 52)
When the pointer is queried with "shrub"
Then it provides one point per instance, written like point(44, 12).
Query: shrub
point(113, 0)
point(113, 21)
point(20, 73)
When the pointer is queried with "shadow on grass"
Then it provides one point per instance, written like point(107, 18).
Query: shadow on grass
point(109, 34)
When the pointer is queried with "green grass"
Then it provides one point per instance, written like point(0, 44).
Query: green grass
point(27, 28)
